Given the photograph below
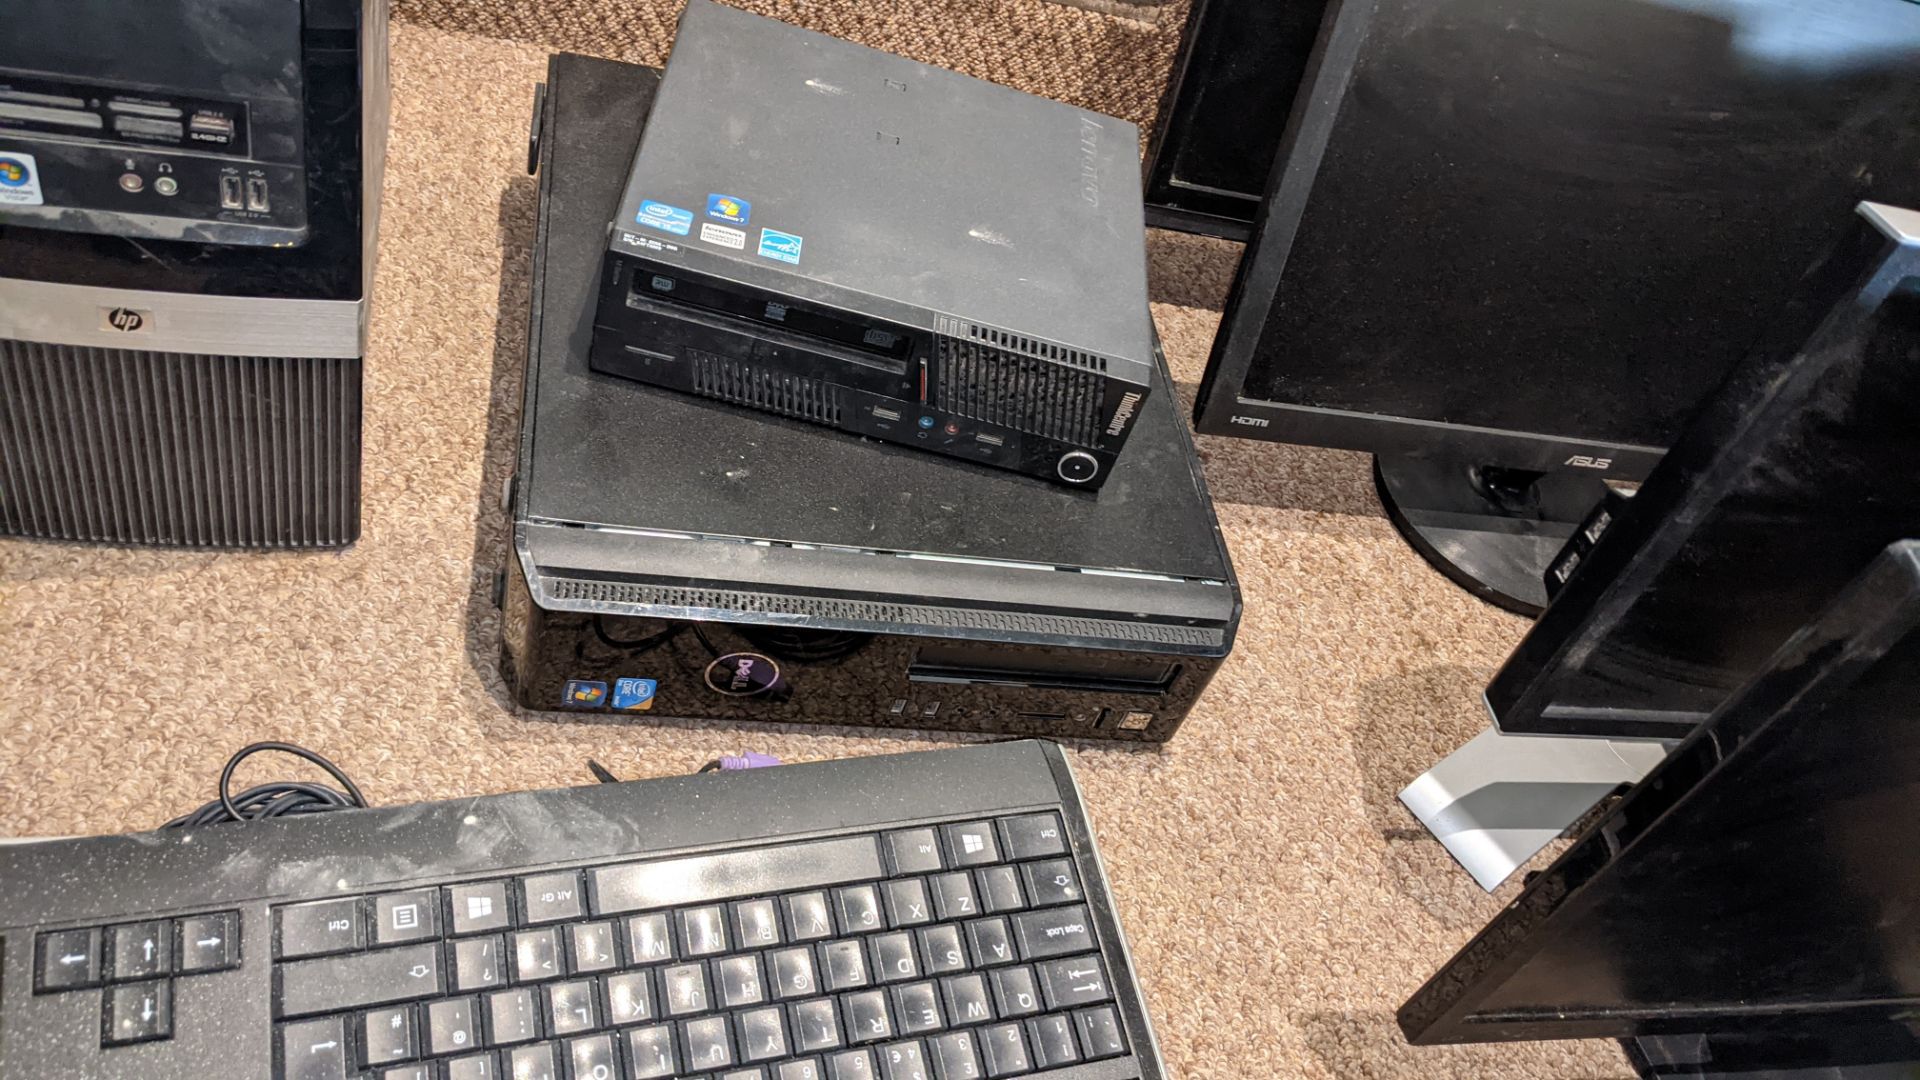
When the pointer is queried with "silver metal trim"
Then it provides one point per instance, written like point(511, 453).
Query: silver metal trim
point(376, 97)
point(59, 314)
point(157, 226)
point(1900, 224)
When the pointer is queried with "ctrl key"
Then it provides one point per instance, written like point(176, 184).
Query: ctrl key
point(313, 1050)
point(138, 1012)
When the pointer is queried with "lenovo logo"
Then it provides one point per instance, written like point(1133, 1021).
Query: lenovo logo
point(1090, 161)
point(1582, 461)
point(1124, 413)
point(1249, 421)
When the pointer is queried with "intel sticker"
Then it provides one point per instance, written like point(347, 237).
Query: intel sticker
point(665, 218)
point(633, 695)
point(19, 180)
point(728, 208)
point(584, 694)
point(724, 235)
point(779, 245)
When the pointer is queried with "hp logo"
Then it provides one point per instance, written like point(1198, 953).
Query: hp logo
point(126, 320)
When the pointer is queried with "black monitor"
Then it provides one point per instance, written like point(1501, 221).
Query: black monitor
point(1226, 106)
point(1759, 886)
point(1801, 468)
point(1508, 242)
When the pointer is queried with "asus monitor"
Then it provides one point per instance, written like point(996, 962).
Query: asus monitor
point(1793, 476)
point(1755, 893)
point(1509, 246)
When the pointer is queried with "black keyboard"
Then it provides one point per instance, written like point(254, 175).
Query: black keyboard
point(927, 916)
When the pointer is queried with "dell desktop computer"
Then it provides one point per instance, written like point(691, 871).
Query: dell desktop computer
point(677, 556)
point(188, 196)
point(827, 232)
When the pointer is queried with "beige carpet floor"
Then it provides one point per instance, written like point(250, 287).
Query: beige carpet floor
point(1280, 902)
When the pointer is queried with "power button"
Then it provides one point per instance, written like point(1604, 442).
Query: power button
point(1078, 466)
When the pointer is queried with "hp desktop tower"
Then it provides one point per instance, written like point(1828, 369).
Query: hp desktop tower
point(188, 197)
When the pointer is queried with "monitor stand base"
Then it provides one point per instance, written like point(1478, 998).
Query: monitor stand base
point(1882, 1052)
point(1490, 529)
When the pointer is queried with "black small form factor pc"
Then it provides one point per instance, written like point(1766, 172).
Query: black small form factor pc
point(681, 557)
point(830, 233)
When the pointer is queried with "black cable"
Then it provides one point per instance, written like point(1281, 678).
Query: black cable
point(701, 633)
point(804, 645)
point(645, 644)
point(276, 799)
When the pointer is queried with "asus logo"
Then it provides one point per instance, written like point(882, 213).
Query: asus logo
point(1250, 421)
point(1582, 461)
point(1124, 413)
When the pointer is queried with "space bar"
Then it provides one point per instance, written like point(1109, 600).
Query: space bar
point(699, 878)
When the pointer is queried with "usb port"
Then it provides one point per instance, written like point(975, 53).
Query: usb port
point(990, 440)
point(257, 194)
point(229, 193)
point(211, 128)
point(886, 414)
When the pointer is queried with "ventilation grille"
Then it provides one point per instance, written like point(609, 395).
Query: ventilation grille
point(1025, 393)
point(745, 384)
point(883, 617)
point(1045, 350)
point(122, 446)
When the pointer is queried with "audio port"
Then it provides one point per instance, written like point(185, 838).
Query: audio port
point(167, 185)
point(1078, 466)
point(926, 423)
point(953, 428)
point(131, 182)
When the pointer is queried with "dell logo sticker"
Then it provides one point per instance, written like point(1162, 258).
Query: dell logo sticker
point(1582, 461)
point(125, 320)
point(1124, 413)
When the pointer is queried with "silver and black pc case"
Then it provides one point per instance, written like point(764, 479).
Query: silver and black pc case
point(188, 198)
point(825, 231)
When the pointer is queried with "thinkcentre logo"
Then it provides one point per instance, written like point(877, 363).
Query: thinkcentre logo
point(126, 320)
point(1124, 413)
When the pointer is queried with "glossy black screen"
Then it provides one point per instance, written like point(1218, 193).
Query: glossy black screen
point(1572, 218)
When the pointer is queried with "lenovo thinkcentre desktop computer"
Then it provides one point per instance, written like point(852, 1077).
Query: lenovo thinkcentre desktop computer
point(674, 556)
point(827, 232)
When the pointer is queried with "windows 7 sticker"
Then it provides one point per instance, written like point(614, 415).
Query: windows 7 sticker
point(728, 208)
